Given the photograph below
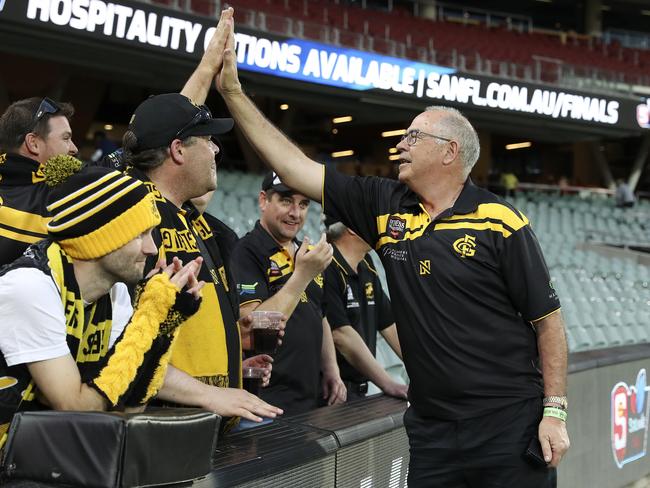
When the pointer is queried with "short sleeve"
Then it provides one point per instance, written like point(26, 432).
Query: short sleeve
point(355, 201)
point(527, 277)
point(335, 297)
point(252, 285)
point(122, 310)
point(33, 321)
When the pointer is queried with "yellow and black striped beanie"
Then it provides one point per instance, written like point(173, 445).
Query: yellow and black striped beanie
point(95, 210)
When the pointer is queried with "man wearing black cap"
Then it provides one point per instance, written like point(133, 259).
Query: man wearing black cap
point(276, 272)
point(357, 308)
point(80, 345)
point(171, 145)
point(31, 132)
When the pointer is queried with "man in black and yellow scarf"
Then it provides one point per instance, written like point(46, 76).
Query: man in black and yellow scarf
point(31, 131)
point(69, 337)
point(172, 146)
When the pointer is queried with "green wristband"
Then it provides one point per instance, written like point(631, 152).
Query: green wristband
point(558, 413)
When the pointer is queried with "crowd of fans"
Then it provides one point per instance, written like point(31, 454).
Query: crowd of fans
point(121, 291)
point(143, 298)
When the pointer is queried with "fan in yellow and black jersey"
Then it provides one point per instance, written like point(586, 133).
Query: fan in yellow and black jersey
point(81, 345)
point(171, 145)
point(32, 131)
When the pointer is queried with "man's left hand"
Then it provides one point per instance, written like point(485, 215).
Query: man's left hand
point(333, 388)
point(554, 439)
point(245, 328)
point(260, 361)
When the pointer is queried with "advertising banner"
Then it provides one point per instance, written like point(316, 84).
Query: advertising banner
point(142, 26)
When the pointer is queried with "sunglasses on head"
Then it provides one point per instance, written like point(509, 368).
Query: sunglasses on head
point(46, 106)
point(201, 117)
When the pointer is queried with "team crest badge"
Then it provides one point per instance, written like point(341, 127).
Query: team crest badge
point(370, 291)
point(465, 246)
point(274, 269)
point(396, 227)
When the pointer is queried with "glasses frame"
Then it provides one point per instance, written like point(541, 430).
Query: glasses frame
point(203, 115)
point(413, 135)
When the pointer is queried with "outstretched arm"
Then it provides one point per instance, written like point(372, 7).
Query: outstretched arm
point(285, 158)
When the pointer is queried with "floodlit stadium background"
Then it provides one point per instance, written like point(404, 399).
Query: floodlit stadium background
point(559, 92)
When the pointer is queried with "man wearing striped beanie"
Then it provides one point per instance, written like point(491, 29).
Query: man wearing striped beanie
point(69, 337)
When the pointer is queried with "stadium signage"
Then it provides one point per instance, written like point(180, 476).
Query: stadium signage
point(120, 21)
point(357, 70)
point(629, 420)
point(162, 30)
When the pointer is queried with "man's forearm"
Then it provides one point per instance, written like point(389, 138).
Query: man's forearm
point(350, 344)
point(198, 84)
point(294, 168)
point(328, 351)
point(180, 387)
point(552, 346)
point(390, 335)
point(286, 299)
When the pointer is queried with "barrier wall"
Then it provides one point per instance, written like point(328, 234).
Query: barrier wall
point(608, 418)
point(363, 443)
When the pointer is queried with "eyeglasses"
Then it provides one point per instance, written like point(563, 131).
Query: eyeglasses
point(201, 117)
point(46, 106)
point(412, 136)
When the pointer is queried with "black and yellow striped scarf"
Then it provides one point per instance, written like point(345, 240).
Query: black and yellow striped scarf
point(88, 331)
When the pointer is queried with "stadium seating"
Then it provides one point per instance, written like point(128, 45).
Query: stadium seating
point(605, 300)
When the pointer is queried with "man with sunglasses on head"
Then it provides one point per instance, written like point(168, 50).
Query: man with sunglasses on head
point(477, 317)
point(31, 131)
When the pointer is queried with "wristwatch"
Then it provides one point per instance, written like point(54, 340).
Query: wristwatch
point(556, 400)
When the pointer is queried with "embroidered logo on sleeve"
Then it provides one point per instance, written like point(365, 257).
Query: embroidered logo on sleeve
point(396, 227)
point(247, 289)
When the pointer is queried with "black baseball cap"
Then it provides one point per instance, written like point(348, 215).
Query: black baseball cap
point(272, 181)
point(162, 118)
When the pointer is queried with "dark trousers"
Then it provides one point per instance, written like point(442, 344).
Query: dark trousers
point(356, 390)
point(482, 452)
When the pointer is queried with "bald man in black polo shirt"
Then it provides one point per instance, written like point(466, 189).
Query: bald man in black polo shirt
point(478, 320)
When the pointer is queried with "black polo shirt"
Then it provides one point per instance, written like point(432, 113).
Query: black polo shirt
point(261, 267)
point(358, 300)
point(464, 288)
